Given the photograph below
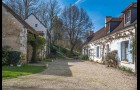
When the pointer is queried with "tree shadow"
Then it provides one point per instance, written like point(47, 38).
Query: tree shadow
point(60, 68)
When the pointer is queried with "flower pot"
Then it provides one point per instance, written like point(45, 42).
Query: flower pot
point(19, 65)
point(11, 65)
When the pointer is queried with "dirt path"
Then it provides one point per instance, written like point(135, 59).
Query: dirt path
point(74, 75)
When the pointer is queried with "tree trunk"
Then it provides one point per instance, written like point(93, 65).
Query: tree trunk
point(71, 50)
point(34, 55)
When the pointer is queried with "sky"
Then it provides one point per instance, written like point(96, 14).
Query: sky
point(99, 9)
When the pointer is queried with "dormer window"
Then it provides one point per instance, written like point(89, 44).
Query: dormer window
point(127, 17)
point(36, 25)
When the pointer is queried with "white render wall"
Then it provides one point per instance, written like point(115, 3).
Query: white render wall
point(31, 20)
point(114, 45)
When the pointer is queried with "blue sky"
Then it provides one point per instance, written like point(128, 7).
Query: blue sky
point(99, 9)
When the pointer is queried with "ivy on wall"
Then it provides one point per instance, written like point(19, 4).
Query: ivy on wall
point(37, 42)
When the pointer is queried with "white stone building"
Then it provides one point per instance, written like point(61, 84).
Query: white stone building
point(117, 35)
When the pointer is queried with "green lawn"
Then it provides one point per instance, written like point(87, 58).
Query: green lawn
point(9, 72)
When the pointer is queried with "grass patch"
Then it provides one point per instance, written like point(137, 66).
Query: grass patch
point(123, 68)
point(9, 72)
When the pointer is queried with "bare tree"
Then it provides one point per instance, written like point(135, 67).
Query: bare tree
point(57, 30)
point(41, 13)
point(23, 7)
point(47, 13)
point(75, 21)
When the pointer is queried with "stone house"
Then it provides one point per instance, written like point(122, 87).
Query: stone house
point(117, 35)
point(14, 31)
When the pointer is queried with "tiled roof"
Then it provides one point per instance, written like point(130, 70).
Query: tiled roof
point(41, 32)
point(134, 4)
point(120, 26)
point(103, 32)
point(114, 19)
point(99, 34)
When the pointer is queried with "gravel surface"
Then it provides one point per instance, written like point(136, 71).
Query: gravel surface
point(74, 75)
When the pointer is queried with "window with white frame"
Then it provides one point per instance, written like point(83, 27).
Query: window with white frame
point(127, 17)
point(97, 52)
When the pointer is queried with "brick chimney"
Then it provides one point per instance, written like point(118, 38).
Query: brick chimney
point(107, 19)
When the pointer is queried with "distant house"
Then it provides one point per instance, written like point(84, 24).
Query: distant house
point(14, 31)
point(33, 21)
point(117, 35)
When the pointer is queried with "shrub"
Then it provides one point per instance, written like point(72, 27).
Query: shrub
point(64, 50)
point(123, 68)
point(5, 50)
point(14, 57)
point(84, 57)
point(110, 59)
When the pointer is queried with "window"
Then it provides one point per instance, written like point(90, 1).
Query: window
point(85, 52)
point(127, 17)
point(124, 51)
point(91, 52)
point(97, 51)
point(36, 25)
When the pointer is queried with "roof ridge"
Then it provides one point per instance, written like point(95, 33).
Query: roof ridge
point(14, 14)
point(36, 18)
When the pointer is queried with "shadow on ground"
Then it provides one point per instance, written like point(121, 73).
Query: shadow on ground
point(60, 68)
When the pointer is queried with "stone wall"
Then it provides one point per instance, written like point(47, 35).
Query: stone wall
point(14, 34)
point(29, 53)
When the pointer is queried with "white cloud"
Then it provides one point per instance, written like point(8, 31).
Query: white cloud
point(78, 1)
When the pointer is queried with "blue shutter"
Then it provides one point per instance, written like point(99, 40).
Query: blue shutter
point(130, 58)
point(119, 51)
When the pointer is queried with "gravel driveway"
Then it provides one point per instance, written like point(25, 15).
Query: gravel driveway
point(74, 75)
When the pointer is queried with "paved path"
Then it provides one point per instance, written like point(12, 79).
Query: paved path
point(74, 75)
